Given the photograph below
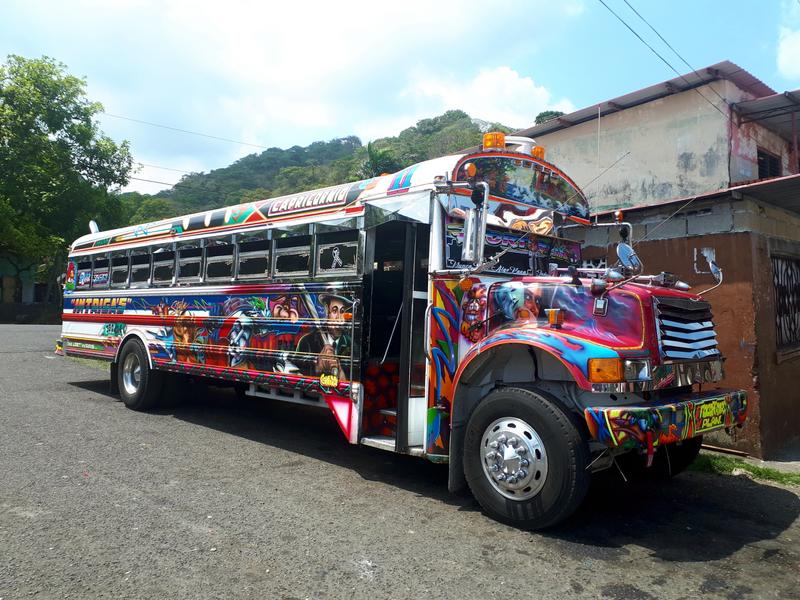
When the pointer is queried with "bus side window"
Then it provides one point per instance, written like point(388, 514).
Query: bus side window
point(253, 256)
point(163, 265)
point(119, 269)
point(337, 253)
point(219, 259)
point(83, 279)
point(190, 256)
point(140, 268)
point(293, 256)
point(100, 272)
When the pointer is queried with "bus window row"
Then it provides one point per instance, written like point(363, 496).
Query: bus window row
point(240, 257)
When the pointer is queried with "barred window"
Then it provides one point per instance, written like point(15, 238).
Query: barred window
point(786, 280)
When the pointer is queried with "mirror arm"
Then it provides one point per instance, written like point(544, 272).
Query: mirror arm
point(713, 287)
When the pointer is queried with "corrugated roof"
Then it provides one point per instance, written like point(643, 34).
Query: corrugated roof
point(723, 70)
point(775, 112)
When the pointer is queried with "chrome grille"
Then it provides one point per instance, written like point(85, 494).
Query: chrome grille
point(685, 328)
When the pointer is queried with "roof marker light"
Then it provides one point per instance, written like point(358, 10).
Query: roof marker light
point(538, 152)
point(494, 140)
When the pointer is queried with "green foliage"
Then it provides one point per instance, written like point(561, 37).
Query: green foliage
point(546, 115)
point(277, 172)
point(725, 465)
point(57, 165)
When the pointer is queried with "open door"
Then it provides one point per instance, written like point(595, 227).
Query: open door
point(393, 413)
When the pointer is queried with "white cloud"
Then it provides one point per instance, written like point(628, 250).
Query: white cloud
point(278, 74)
point(494, 94)
point(789, 53)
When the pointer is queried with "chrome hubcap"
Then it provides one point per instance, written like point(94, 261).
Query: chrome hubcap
point(514, 458)
point(131, 374)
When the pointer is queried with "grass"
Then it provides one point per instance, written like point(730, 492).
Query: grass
point(724, 465)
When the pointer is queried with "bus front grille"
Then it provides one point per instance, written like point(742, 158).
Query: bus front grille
point(685, 328)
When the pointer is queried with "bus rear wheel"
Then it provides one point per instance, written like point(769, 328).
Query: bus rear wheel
point(139, 385)
point(525, 459)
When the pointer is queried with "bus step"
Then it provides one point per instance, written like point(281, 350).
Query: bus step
point(383, 442)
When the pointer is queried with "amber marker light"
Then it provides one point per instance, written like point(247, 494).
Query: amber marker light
point(470, 169)
point(538, 152)
point(605, 370)
point(555, 316)
point(494, 140)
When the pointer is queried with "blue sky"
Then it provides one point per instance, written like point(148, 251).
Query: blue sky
point(291, 73)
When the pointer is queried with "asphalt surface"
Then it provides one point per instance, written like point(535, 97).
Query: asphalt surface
point(222, 498)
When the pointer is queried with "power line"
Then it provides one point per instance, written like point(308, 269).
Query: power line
point(678, 54)
point(141, 164)
point(205, 135)
point(664, 60)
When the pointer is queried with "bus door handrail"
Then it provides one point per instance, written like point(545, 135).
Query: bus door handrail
point(391, 335)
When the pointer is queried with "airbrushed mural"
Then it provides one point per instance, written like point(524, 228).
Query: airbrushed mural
point(298, 335)
point(646, 427)
point(527, 183)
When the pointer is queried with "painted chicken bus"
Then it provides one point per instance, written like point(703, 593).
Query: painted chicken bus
point(432, 311)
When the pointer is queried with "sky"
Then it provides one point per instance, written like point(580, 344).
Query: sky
point(283, 74)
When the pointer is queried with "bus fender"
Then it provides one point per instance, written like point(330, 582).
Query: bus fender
point(141, 337)
point(510, 359)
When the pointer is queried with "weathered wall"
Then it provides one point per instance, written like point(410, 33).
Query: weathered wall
point(679, 146)
point(778, 372)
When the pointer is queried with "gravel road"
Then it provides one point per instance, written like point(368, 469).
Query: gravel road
point(222, 498)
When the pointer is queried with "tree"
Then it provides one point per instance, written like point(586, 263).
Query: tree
point(546, 115)
point(378, 162)
point(57, 165)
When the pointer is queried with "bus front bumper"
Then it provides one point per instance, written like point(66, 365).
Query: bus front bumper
point(648, 425)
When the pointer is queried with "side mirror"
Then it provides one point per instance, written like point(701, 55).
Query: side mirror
point(715, 270)
point(469, 249)
point(627, 256)
point(475, 225)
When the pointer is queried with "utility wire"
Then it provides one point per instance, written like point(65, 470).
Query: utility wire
point(678, 54)
point(728, 117)
point(664, 60)
point(206, 135)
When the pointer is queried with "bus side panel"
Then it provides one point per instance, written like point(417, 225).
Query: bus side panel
point(292, 336)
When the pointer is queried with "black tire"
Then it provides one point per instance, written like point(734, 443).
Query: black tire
point(140, 392)
point(668, 461)
point(566, 480)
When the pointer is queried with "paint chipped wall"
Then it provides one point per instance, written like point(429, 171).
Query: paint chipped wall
point(679, 146)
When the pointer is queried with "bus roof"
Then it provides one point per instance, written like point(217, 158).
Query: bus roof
point(350, 200)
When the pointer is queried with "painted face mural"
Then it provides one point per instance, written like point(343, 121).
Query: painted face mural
point(473, 313)
point(322, 350)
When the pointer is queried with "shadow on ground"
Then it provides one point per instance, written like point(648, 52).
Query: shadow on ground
point(694, 517)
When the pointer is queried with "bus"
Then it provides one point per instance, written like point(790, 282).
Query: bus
point(441, 311)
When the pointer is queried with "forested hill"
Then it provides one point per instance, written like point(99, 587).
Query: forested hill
point(275, 172)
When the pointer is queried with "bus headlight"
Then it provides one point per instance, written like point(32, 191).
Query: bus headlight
point(617, 370)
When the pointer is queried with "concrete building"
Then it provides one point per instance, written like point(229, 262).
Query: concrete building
point(712, 169)
point(697, 133)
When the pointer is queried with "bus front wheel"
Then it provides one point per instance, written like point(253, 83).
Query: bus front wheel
point(139, 385)
point(525, 459)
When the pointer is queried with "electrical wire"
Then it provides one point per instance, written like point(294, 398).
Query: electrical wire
point(678, 54)
point(664, 60)
point(189, 131)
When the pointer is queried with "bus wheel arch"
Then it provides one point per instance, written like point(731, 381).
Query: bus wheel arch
point(515, 364)
point(142, 339)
